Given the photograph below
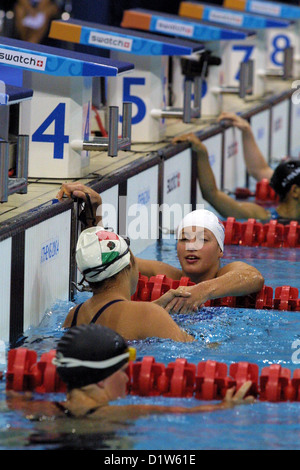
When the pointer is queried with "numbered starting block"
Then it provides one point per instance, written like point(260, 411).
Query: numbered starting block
point(277, 41)
point(13, 146)
point(210, 67)
point(268, 61)
point(57, 119)
point(147, 87)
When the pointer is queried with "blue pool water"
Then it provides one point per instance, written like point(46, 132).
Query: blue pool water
point(227, 335)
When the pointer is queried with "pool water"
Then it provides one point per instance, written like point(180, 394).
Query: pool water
point(223, 334)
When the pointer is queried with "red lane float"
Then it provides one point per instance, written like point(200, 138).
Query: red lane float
point(24, 373)
point(263, 193)
point(253, 233)
point(211, 380)
point(285, 298)
point(208, 380)
point(153, 288)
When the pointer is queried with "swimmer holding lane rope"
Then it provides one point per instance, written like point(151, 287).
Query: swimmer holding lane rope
point(92, 361)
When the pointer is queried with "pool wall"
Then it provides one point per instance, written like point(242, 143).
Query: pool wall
point(37, 248)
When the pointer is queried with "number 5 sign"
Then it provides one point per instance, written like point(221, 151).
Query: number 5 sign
point(146, 89)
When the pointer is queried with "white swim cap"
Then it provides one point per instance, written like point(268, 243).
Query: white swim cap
point(206, 219)
point(101, 254)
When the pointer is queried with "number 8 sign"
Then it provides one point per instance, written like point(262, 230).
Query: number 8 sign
point(277, 42)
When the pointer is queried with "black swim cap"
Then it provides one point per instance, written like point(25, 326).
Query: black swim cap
point(285, 175)
point(87, 354)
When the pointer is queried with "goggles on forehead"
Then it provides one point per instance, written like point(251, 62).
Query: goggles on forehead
point(61, 361)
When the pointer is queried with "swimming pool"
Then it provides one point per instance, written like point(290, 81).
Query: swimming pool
point(223, 334)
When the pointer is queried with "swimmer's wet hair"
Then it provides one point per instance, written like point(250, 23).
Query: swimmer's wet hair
point(92, 344)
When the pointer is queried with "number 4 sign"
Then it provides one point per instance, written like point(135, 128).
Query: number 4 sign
point(58, 117)
point(58, 138)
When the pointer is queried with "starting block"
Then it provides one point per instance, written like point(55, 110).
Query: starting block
point(147, 87)
point(13, 146)
point(57, 119)
point(277, 41)
point(211, 70)
point(266, 28)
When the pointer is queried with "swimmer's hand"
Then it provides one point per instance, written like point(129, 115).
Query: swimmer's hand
point(80, 191)
point(235, 120)
point(188, 304)
point(238, 398)
point(196, 143)
point(165, 299)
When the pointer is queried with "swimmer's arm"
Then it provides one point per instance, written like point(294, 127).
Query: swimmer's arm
point(222, 202)
point(126, 412)
point(235, 279)
point(255, 162)
point(152, 268)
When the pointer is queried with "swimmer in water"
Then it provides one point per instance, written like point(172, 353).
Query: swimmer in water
point(109, 267)
point(92, 361)
point(200, 248)
point(285, 179)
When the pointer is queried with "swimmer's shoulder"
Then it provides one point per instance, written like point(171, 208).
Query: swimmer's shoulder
point(69, 317)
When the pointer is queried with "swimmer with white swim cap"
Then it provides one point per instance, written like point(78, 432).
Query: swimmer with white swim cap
point(200, 247)
point(199, 262)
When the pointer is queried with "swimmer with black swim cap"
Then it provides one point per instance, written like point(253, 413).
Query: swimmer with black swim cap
point(284, 180)
point(285, 175)
point(90, 353)
point(92, 360)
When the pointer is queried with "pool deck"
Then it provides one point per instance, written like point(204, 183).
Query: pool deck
point(42, 190)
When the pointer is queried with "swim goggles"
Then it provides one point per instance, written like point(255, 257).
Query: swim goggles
point(61, 361)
